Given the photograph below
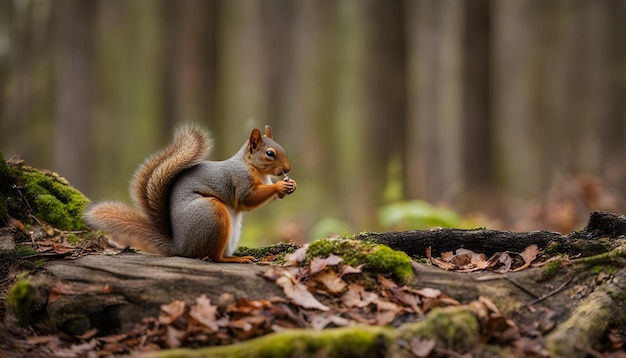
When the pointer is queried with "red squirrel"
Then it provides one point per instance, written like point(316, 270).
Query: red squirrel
point(192, 207)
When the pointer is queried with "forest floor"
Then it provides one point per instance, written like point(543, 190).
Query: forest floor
point(522, 294)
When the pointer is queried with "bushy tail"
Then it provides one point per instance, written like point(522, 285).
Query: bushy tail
point(127, 226)
point(151, 183)
point(150, 229)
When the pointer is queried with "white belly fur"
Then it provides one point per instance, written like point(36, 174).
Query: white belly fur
point(235, 231)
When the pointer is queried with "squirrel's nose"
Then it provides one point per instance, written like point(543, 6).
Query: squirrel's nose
point(286, 169)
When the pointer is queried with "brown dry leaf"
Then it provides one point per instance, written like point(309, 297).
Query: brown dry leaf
point(173, 337)
point(422, 347)
point(468, 260)
point(529, 254)
point(204, 313)
point(41, 339)
point(62, 249)
point(89, 334)
point(442, 264)
point(297, 256)
point(447, 256)
point(409, 299)
point(273, 274)
point(329, 278)
point(171, 312)
point(59, 289)
point(299, 294)
point(427, 292)
point(386, 311)
point(356, 296)
point(251, 326)
point(501, 258)
point(317, 265)
point(333, 260)
point(345, 269)
point(489, 304)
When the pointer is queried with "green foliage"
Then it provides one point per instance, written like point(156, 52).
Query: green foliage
point(376, 257)
point(417, 215)
point(329, 227)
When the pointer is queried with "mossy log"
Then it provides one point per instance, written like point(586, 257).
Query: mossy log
point(110, 292)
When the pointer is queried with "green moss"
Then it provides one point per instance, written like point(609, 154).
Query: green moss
point(554, 248)
point(20, 300)
point(609, 269)
point(73, 239)
point(605, 258)
point(27, 191)
point(377, 257)
point(53, 200)
point(551, 269)
point(33, 265)
point(280, 250)
point(358, 341)
point(455, 327)
point(23, 251)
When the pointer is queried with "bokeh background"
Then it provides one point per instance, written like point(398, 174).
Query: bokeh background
point(395, 114)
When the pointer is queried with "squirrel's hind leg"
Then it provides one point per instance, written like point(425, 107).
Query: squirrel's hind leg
point(203, 230)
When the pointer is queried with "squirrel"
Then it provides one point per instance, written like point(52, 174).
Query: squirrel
point(192, 207)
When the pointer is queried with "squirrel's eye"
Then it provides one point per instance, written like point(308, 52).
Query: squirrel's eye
point(270, 153)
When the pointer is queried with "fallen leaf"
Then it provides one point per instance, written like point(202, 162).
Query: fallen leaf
point(386, 311)
point(422, 347)
point(204, 313)
point(273, 274)
point(529, 254)
point(346, 269)
point(447, 256)
point(356, 296)
point(89, 334)
point(329, 278)
point(171, 312)
point(502, 258)
point(173, 337)
point(59, 289)
point(297, 256)
point(317, 265)
point(428, 292)
point(333, 260)
point(299, 294)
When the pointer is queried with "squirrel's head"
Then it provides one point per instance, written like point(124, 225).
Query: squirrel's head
point(267, 156)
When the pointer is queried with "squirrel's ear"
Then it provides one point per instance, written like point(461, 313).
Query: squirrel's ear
point(255, 140)
point(268, 131)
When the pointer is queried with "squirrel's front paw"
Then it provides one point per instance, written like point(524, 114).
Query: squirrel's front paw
point(287, 186)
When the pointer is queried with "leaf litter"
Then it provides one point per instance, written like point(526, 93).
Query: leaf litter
point(320, 293)
point(463, 260)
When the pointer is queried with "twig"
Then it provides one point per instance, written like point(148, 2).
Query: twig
point(527, 291)
point(551, 293)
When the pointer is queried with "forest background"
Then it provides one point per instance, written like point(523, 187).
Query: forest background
point(512, 113)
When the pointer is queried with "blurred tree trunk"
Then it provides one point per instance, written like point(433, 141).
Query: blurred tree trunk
point(189, 62)
point(74, 90)
point(434, 98)
point(128, 123)
point(476, 153)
